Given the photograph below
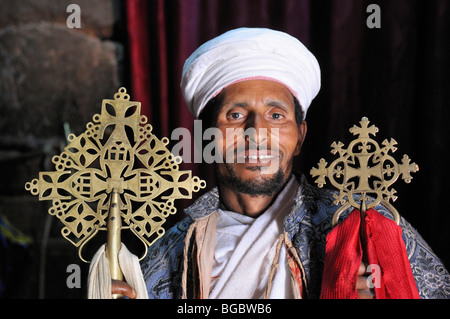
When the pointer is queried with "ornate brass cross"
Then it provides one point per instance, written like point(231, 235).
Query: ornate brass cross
point(116, 175)
point(364, 171)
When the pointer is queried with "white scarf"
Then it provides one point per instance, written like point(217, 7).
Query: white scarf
point(99, 278)
point(245, 250)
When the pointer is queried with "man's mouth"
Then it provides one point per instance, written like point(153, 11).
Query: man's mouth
point(256, 157)
point(259, 158)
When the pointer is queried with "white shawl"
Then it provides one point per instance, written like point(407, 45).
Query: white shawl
point(245, 250)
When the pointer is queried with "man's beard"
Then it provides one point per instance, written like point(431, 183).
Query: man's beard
point(260, 187)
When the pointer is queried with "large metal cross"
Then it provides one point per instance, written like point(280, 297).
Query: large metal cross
point(116, 175)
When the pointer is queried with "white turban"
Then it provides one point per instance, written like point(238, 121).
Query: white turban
point(247, 54)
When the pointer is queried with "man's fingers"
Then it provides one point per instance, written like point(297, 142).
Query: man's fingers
point(122, 288)
point(362, 269)
point(363, 289)
point(361, 283)
point(366, 294)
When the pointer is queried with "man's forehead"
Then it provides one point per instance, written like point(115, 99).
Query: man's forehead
point(255, 84)
point(267, 92)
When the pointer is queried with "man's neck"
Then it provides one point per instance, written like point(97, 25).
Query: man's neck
point(245, 204)
point(249, 205)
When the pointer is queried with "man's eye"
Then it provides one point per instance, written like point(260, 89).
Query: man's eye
point(276, 116)
point(235, 115)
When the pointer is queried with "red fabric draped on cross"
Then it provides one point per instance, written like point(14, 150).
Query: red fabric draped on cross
point(385, 250)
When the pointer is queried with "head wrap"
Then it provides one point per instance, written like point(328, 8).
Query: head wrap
point(246, 54)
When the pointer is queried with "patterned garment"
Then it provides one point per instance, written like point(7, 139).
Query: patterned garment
point(307, 226)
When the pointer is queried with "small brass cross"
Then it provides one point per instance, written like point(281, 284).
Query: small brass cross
point(364, 172)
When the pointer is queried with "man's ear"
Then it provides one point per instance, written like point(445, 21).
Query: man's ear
point(302, 128)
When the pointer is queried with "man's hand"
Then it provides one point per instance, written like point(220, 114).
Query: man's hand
point(362, 288)
point(122, 288)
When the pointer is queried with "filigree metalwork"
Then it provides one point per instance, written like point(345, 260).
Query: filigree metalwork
point(364, 172)
point(116, 160)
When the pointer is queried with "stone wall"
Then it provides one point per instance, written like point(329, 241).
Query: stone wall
point(50, 76)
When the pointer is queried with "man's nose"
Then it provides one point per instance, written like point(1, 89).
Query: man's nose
point(257, 129)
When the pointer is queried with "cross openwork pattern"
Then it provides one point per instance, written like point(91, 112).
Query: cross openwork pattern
point(117, 154)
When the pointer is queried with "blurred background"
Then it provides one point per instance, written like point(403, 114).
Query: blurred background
point(53, 79)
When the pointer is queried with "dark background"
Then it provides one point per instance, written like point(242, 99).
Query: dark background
point(396, 75)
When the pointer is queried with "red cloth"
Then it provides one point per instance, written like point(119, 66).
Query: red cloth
point(385, 249)
point(139, 58)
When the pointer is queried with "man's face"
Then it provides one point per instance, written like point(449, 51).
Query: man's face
point(262, 159)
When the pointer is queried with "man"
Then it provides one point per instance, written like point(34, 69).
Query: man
point(261, 233)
